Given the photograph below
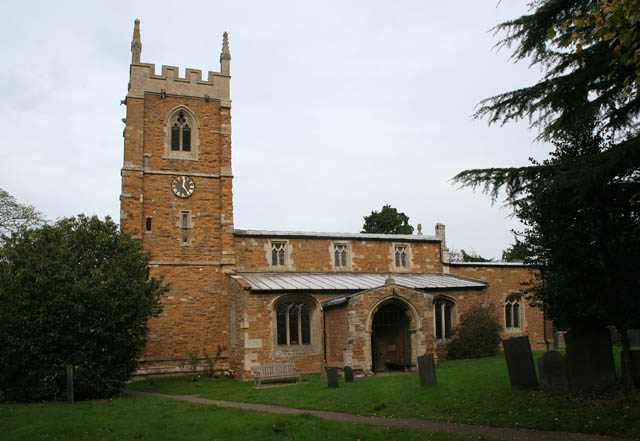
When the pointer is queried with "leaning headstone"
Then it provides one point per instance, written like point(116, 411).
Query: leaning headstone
point(635, 367)
point(427, 370)
point(553, 373)
point(348, 374)
point(522, 372)
point(332, 377)
point(590, 360)
point(558, 340)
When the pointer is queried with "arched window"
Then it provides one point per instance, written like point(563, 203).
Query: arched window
point(181, 134)
point(293, 323)
point(512, 314)
point(181, 141)
point(443, 311)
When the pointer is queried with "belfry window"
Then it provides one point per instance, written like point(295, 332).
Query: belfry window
point(512, 314)
point(180, 134)
point(293, 324)
point(443, 318)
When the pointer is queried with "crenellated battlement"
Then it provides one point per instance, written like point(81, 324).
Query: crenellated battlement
point(144, 79)
point(143, 76)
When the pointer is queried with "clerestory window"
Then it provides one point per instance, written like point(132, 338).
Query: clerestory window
point(278, 253)
point(401, 256)
point(340, 255)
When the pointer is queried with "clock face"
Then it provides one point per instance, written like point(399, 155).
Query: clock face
point(183, 186)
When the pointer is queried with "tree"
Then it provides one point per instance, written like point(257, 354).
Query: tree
point(478, 334)
point(14, 215)
point(387, 221)
point(580, 208)
point(77, 292)
point(463, 256)
point(516, 252)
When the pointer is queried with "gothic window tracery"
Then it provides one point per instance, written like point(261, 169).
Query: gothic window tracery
point(293, 323)
point(278, 253)
point(340, 254)
point(182, 134)
point(512, 314)
point(401, 258)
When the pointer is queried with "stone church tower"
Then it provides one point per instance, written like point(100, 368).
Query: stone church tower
point(177, 198)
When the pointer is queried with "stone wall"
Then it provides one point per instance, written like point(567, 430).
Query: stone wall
point(504, 280)
point(310, 254)
point(198, 306)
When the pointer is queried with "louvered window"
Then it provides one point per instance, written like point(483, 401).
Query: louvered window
point(181, 134)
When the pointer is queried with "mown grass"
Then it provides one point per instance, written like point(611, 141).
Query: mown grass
point(168, 420)
point(468, 391)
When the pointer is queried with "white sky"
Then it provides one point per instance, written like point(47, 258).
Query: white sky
point(338, 108)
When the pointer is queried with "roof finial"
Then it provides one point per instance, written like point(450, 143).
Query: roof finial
point(136, 43)
point(225, 55)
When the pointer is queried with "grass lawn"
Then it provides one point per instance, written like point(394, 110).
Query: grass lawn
point(468, 391)
point(162, 419)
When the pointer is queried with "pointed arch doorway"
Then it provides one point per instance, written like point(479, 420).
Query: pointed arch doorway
point(391, 338)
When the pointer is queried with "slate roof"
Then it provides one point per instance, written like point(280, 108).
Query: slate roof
point(282, 281)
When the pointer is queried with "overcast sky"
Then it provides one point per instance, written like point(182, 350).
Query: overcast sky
point(338, 107)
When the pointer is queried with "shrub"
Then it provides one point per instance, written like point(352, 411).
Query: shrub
point(478, 334)
point(77, 292)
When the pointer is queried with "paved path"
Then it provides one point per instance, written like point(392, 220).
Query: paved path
point(499, 433)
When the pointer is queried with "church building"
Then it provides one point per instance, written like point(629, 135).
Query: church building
point(374, 302)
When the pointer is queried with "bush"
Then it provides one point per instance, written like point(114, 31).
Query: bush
point(477, 336)
point(77, 292)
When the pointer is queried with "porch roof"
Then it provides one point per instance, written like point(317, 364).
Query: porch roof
point(286, 281)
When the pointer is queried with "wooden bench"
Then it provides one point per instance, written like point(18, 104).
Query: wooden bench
point(275, 371)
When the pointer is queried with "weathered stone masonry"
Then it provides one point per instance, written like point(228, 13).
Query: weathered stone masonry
point(373, 302)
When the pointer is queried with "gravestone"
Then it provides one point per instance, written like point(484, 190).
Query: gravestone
point(522, 372)
point(589, 360)
point(553, 373)
point(332, 377)
point(323, 375)
point(427, 370)
point(635, 367)
point(348, 374)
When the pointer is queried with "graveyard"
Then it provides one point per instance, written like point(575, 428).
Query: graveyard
point(473, 391)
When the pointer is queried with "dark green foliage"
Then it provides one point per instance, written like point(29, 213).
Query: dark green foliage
point(387, 221)
point(581, 208)
point(583, 246)
point(464, 256)
point(14, 215)
point(478, 334)
point(77, 292)
point(516, 252)
point(578, 86)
